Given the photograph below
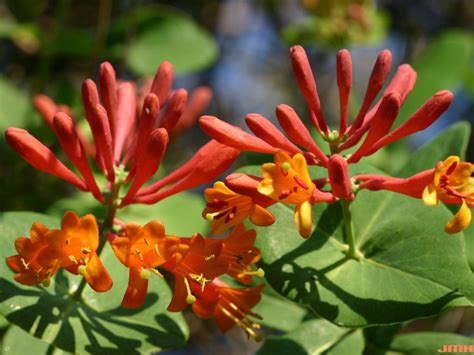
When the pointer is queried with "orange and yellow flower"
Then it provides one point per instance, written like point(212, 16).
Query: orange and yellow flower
point(453, 183)
point(229, 306)
point(226, 208)
point(138, 248)
point(194, 264)
point(239, 253)
point(287, 180)
point(73, 247)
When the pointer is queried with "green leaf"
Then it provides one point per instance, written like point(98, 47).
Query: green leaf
point(96, 325)
point(316, 337)
point(14, 106)
point(278, 312)
point(426, 343)
point(443, 65)
point(411, 268)
point(177, 220)
point(17, 342)
point(451, 141)
point(175, 38)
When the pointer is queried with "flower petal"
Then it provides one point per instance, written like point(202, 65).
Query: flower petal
point(460, 221)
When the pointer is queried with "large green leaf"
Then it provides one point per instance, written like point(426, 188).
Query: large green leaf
point(17, 342)
point(173, 37)
point(411, 267)
point(278, 312)
point(98, 323)
point(451, 141)
point(443, 65)
point(177, 220)
point(316, 336)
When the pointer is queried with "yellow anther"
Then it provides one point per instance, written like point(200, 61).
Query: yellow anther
point(86, 250)
point(145, 274)
point(190, 298)
point(259, 273)
point(73, 259)
point(286, 166)
point(200, 279)
point(210, 257)
point(82, 270)
point(210, 216)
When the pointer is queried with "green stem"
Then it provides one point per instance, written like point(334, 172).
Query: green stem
point(352, 250)
point(106, 226)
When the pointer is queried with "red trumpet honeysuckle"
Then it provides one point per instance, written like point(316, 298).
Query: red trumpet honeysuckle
point(73, 247)
point(375, 120)
point(194, 262)
point(450, 182)
point(288, 181)
point(130, 137)
point(229, 306)
point(227, 208)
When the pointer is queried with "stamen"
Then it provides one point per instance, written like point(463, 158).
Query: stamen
point(146, 241)
point(145, 274)
point(248, 329)
point(82, 269)
point(157, 273)
point(73, 259)
point(215, 215)
point(86, 250)
point(67, 242)
point(259, 273)
point(190, 298)
point(24, 264)
point(200, 279)
point(210, 257)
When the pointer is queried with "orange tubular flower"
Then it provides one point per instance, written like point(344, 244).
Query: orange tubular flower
point(73, 247)
point(287, 180)
point(138, 248)
point(453, 183)
point(229, 306)
point(239, 253)
point(194, 264)
point(227, 208)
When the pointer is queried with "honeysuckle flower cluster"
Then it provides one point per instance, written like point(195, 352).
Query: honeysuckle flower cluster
point(131, 130)
point(288, 180)
point(195, 263)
